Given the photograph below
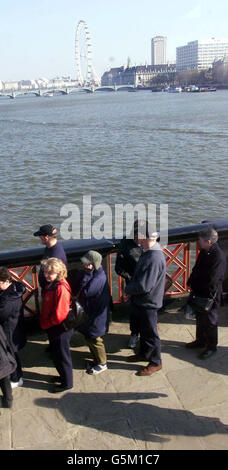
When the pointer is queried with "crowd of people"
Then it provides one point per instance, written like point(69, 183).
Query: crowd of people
point(141, 263)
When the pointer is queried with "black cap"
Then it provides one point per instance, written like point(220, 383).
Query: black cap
point(46, 230)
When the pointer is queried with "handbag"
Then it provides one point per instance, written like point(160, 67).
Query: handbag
point(201, 304)
point(76, 316)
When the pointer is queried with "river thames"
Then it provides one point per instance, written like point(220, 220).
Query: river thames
point(150, 148)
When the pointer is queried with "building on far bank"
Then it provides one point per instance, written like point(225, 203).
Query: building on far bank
point(139, 76)
point(41, 83)
point(10, 86)
point(158, 50)
point(200, 55)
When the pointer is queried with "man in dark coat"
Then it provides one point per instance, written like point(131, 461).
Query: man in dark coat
point(129, 252)
point(53, 249)
point(12, 318)
point(7, 366)
point(95, 298)
point(146, 289)
point(206, 281)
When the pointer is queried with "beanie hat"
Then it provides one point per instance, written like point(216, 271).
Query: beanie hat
point(92, 257)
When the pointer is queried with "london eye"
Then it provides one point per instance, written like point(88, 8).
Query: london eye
point(83, 54)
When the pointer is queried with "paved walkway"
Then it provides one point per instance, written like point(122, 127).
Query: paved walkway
point(183, 406)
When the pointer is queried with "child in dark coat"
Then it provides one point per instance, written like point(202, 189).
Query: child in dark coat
point(7, 366)
point(95, 298)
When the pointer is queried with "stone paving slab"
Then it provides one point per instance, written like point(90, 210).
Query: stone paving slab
point(183, 406)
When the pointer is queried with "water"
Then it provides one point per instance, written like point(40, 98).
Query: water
point(119, 147)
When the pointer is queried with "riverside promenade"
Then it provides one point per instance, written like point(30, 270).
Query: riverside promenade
point(182, 407)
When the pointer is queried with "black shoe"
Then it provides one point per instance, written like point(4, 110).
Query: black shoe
point(207, 353)
point(55, 379)
point(6, 403)
point(194, 345)
point(60, 388)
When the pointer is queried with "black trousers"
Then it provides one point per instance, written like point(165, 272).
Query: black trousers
point(5, 386)
point(17, 374)
point(150, 344)
point(134, 321)
point(207, 329)
point(60, 351)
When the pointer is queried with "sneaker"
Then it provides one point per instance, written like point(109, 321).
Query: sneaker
point(17, 384)
point(89, 365)
point(133, 341)
point(97, 369)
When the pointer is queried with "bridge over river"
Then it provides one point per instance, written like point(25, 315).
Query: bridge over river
point(64, 91)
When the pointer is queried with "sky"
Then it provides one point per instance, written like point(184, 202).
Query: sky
point(37, 39)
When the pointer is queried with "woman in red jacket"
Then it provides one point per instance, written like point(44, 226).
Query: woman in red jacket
point(56, 299)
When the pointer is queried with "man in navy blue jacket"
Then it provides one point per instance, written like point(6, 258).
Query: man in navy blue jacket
point(146, 289)
point(53, 249)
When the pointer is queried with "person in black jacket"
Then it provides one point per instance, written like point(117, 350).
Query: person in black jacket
point(7, 366)
point(129, 252)
point(206, 281)
point(146, 289)
point(12, 318)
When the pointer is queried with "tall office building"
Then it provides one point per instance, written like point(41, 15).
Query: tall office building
point(200, 54)
point(158, 50)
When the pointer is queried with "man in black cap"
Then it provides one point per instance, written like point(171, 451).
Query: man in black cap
point(54, 249)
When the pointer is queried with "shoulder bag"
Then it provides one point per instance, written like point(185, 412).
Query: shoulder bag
point(201, 304)
point(76, 316)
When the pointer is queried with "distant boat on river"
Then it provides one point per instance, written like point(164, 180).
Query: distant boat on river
point(199, 89)
point(174, 89)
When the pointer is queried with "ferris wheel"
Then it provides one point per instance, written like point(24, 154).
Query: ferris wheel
point(83, 54)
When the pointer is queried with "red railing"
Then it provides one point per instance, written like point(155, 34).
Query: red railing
point(179, 258)
point(29, 277)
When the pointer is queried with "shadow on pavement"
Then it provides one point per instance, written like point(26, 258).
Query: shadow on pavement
point(109, 412)
point(216, 363)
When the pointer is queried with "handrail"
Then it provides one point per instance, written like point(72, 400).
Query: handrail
point(76, 248)
point(179, 254)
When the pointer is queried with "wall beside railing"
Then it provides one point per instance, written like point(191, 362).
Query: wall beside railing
point(181, 253)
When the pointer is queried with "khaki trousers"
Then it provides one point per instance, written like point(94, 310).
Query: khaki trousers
point(97, 349)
